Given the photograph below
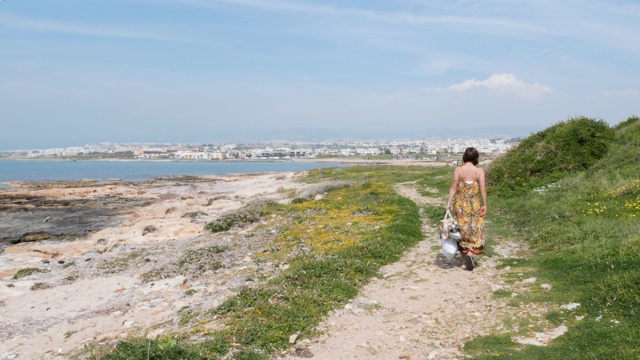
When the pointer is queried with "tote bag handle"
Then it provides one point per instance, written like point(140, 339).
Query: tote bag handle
point(448, 215)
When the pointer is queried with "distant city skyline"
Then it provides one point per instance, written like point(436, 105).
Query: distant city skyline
point(77, 72)
point(313, 136)
point(267, 150)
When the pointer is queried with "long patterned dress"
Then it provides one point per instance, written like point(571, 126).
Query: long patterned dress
point(466, 210)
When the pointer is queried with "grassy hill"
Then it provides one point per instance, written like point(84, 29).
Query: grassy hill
point(579, 211)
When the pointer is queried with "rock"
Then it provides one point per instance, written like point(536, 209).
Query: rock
point(88, 341)
point(149, 229)
point(293, 338)
point(406, 355)
point(528, 281)
point(155, 334)
point(247, 259)
point(107, 336)
point(560, 330)
point(432, 355)
point(37, 236)
point(303, 353)
point(495, 287)
point(365, 303)
point(528, 341)
point(570, 306)
point(546, 286)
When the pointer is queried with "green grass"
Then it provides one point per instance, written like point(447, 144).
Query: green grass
point(27, 272)
point(585, 234)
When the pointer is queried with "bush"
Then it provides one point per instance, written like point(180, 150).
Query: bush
point(250, 214)
point(551, 154)
point(28, 271)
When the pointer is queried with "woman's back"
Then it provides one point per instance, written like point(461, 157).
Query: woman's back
point(469, 173)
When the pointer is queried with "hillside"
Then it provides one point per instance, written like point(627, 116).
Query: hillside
point(585, 231)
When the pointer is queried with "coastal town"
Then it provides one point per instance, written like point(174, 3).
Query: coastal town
point(432, 149)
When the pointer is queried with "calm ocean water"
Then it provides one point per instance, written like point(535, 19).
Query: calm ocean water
point(139, 170)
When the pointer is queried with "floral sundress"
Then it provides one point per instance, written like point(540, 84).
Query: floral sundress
point(466, 210)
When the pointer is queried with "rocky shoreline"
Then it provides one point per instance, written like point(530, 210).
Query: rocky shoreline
point(89, 262)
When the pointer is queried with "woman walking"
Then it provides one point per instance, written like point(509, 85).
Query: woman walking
point(466, 191)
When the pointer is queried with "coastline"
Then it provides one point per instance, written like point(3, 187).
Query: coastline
point(87, 285)
point(345, 160)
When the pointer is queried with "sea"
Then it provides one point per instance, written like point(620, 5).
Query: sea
point(32, 170)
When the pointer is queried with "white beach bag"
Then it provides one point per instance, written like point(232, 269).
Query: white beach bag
point(449, 245)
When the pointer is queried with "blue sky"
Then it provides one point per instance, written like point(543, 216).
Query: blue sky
point(74, 72)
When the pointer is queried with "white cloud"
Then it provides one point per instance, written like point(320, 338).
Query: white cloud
point(503, 82)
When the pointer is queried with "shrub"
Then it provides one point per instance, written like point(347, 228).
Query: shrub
point(27, 271)
point(251, 213)
point(551, 154)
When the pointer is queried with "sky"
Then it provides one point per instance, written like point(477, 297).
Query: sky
point(75, 72)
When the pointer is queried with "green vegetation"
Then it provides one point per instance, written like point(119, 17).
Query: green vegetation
point(193, 263)
point(116, 265)
point(584, 233)
point(249, 215)
point(542, 158)
point(28, 271)
point(40, 286)
point(194, 214)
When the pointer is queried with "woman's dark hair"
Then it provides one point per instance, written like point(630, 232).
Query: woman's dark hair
point(470, 154)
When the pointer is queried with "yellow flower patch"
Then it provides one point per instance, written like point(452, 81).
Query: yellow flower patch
point(342, 219)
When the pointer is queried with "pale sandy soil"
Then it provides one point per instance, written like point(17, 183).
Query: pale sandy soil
point(95, 293)
point(420, 307)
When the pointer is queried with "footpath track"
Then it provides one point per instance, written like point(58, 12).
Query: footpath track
point(421, 307)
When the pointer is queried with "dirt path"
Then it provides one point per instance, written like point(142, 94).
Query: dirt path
point(422, 307)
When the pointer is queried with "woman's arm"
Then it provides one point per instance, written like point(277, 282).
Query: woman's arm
point(483, 191)
point(454, 186)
